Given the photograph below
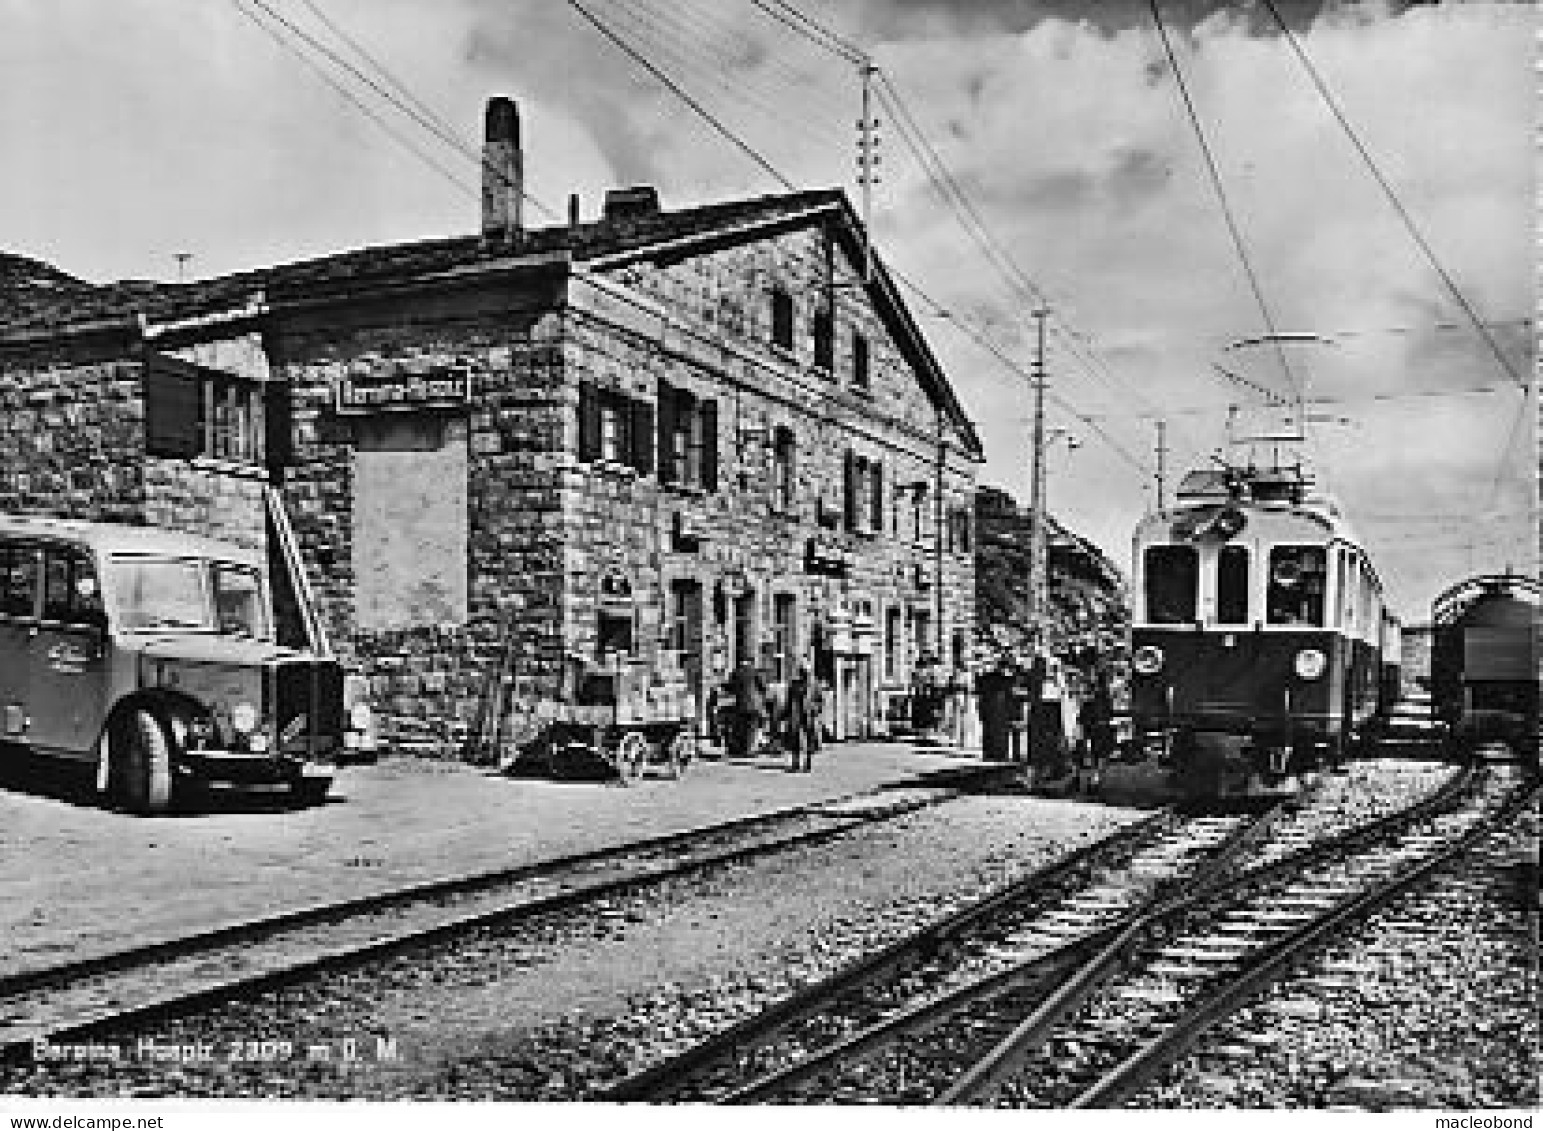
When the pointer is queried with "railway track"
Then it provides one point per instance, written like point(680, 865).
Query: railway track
point(918, 1036)
point(1083, 897)
point(67, 1002)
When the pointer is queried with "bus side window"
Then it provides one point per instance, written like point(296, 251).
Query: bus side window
point(71, 593)
point(19, 577)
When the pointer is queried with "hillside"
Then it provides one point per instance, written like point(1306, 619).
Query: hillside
point(1088, 603)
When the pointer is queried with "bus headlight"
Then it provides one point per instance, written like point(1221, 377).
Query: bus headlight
point(243, 718)
point(1310, 663)
point(1148, 660)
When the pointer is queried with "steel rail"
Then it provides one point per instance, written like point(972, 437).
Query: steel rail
point(14, 1038)
point(931, 1012)
point(653, 1084)
point(1278, 957)
point(1007, 1057)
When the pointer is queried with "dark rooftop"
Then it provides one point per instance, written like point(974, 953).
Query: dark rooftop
point(37, 297)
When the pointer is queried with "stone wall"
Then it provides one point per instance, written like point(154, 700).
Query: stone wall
point(426, 678)
point(72, 445)
point(704, 325)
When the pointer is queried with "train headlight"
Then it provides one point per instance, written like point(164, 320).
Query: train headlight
point(1148, 660)
point(243, 718)
point(1310, 663)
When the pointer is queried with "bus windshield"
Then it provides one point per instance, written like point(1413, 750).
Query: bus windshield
point(188, 595)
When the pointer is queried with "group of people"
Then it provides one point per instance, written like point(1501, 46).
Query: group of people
point(1030, 714)
point(1026, 714)
point(792, 722)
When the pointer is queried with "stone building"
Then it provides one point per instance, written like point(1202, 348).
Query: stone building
point(685, 435)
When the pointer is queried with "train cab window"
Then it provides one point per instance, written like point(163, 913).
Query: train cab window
point(1295, 591)
point(1232, 585)
point(20, 575)
point(1172, 575)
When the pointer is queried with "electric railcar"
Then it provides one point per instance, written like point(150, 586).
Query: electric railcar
point(1485, 658)
point(1261, 646)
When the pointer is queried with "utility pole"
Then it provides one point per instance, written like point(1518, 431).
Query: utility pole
point(867, 161)
point(1162, 463)
point(1037, 556)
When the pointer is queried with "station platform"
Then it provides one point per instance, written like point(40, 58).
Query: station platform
point(77, 879)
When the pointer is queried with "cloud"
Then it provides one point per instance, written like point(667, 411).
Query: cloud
point(144, 128)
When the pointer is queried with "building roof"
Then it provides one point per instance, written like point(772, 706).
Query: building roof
point(38, 302)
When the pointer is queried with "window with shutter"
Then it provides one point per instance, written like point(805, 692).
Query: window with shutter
point(642, 437)
point(849, 492)
point(668, 471)
point(278, 427)
point(782, 318)
point(708, 412)
point(174, 419)
point(589, 422)
point(877, 501)
point(824, 340)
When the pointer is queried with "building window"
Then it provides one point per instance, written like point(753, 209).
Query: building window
point(959, 530)
point(688, 439)
point(784, 635)
point(615, 428)
point(864, 494)
point(859, 361)
point(191, 411)
point(918, 512)
point(825, 340)
point(784, 470)
point(892, 643)
point(782, 318)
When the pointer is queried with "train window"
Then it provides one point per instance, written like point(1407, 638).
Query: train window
point(1172, 575)
point(1295, 591)
point(1232, 585)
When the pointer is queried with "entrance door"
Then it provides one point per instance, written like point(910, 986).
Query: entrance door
point(744, 628)
point(686, 630)
point(856, 696)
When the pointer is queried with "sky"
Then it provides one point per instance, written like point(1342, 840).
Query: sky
point(135, 130)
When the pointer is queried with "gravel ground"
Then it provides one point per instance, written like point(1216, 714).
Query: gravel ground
point(77, 879)
point(1431, 1004)
point(561, 1008)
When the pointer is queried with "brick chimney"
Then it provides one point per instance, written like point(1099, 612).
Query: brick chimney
point(503, 171)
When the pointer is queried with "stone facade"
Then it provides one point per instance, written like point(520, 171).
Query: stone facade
point(690, 437)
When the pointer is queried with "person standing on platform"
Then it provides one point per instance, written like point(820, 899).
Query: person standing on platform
point(750, 705)
point(801, 720)
point(1096, 720)
point(994, 690)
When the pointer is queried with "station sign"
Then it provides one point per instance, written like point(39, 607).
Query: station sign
point(442, 388)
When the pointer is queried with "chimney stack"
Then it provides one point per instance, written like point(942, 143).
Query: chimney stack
point(503, 171)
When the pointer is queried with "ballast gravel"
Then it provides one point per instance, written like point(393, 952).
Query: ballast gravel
point(562, 1007)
